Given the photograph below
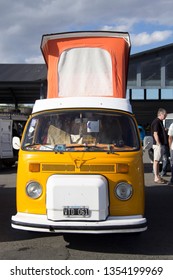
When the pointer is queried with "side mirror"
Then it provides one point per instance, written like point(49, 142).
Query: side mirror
point(16, 143)
point(147, 143)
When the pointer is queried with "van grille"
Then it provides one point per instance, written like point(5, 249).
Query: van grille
point(93, 168)
point(58, 167)
point(83, 168)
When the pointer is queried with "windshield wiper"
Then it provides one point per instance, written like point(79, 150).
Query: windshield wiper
point(86, 146)
point(61, 148)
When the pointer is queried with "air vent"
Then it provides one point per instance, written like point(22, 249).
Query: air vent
point(99, 168)
point(58, 167)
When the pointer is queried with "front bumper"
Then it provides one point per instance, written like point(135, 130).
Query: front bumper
point(118, 224)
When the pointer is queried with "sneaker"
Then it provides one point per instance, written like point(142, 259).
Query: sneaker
point(170, 183)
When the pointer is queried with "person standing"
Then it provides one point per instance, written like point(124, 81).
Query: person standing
point(160, 143)
point(170, 140)
point(165, 158)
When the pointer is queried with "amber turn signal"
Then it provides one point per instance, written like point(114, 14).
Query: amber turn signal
point(34, 167)
point(122, 168)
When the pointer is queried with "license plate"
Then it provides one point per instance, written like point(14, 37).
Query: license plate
point(76, 211)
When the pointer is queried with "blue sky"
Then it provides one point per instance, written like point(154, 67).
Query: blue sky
point(23, 22)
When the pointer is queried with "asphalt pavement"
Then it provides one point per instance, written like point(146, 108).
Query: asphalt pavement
point(155, 243)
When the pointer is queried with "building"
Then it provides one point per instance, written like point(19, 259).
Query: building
point(149, 87)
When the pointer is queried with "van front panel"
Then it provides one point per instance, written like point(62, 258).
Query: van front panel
point(82, 165)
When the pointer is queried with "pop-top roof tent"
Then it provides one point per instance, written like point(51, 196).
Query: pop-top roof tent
point(86, 63)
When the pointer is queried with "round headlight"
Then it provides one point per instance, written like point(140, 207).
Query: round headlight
point(33, 189)
point(123, 191)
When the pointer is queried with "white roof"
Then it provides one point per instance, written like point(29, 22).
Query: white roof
point(47, 37)
point(82, 102)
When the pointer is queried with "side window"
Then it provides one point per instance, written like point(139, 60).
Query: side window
point(30, 134)
point(129, 132)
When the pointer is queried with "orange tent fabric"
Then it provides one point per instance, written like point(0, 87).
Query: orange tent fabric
point(116, 44)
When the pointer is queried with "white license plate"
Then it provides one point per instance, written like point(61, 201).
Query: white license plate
point(76, 211)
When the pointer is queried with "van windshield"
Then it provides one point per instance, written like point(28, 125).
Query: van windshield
point(81, 130)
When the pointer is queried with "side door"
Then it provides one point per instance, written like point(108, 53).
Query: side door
point(6, 149)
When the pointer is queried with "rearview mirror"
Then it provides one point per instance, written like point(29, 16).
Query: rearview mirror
point(148, 142)
point(16, 143)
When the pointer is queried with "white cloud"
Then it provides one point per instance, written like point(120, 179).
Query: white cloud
point(124, 25)
point(35, 59)
point(145, 38)
point(14, 29)
point(23, 22)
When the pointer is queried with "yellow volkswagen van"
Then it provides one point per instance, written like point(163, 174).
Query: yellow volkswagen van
point(80, 163)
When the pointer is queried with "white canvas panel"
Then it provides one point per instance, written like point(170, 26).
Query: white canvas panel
point(85, 72)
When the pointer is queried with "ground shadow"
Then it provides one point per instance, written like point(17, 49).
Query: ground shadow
point(8, 170)
point(148, 168)
point(7, 209)
point(157, 240)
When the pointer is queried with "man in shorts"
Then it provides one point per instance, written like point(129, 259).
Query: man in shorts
point(170, 140)
point(160, 143)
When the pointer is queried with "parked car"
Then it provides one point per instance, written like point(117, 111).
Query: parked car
point(167, 122)
point(142, 132)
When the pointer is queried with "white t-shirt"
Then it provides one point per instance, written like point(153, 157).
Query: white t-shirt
point(170, 133)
